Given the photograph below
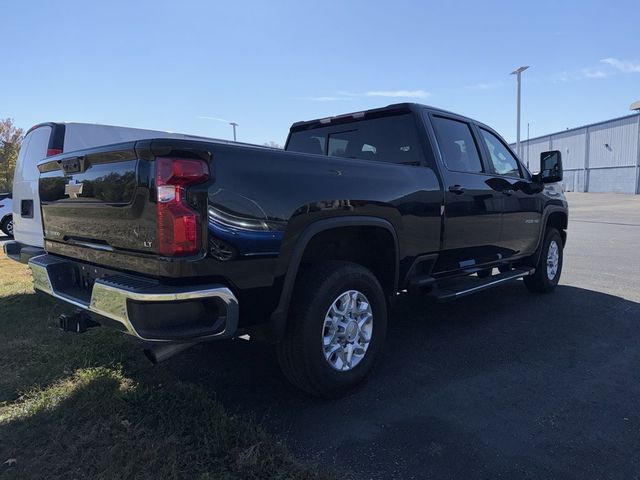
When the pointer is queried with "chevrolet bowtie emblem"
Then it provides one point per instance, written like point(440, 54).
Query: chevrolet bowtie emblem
point(73, 189)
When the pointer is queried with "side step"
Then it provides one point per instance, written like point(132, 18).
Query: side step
point(456, 288)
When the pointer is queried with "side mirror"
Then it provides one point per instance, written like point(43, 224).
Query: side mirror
point(550, 167)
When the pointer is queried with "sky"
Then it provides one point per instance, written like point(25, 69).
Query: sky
point(193, 66)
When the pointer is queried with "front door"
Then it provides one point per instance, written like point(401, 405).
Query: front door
point(520, 203)
point(471, 207)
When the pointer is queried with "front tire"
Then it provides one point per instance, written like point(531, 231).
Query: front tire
point(335, 331)
point(549, 266)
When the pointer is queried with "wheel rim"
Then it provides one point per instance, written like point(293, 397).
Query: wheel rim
point(347, 330)
point(10, 228)
point(553, 260)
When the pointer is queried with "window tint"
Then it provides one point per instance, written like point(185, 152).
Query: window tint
point(338, 145)
point(457, 145)
point(307, 142)
point(503, 161)
point(388, 139)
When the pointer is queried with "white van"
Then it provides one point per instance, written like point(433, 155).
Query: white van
point(44, 140)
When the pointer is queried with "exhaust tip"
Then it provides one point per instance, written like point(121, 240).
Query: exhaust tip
point(160, 353)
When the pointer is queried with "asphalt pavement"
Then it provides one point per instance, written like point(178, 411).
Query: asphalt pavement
point(503, 384)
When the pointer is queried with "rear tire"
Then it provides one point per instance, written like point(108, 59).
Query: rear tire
point(7, 226)
point(549, 266)
point(335, 309)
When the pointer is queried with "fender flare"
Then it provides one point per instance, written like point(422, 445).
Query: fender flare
point(279, 316)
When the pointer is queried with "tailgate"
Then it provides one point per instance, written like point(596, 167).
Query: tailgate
point(104, 199)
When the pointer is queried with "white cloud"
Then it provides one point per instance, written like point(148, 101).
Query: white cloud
point(398, 93)
point(607, 67)
point(209, 117)
point(624, 66)
point(595, 72)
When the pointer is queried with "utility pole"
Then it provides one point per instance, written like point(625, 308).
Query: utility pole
point(527, 144)
point(518, 73)
point(234, 125)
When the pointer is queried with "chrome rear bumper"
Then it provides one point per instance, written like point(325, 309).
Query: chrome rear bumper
point(124, 298)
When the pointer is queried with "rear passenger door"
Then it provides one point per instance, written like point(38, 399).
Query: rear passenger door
point(520, 201)
point(472, 213)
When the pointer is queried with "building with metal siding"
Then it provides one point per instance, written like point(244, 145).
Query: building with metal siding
point(601, 157)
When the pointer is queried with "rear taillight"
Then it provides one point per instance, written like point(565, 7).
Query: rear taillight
point(53, 151)
point(178, 224)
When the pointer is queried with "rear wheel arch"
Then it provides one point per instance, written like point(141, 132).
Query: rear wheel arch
point(370, 234)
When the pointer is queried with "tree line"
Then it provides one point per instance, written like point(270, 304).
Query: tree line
point(10, 141)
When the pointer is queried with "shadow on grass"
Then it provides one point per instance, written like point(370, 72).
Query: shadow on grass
point(98, 423)
point(35, 352)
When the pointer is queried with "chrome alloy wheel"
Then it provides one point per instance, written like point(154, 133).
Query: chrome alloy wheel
point(347, 330)
point(10, 227)
point(553, 260)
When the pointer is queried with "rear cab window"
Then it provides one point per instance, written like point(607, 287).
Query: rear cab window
point(391, 139)
point(457, 145)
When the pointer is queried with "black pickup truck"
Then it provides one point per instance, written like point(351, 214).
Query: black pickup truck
point(179, 241)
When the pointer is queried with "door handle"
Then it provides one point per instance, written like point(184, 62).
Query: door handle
point(457, 189)
point(508, 192)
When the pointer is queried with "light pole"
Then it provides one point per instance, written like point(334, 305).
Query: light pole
point(518, 73)
point(527, 144)
point(234, 125)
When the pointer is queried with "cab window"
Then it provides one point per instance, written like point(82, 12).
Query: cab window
point(503, 161)
point(457, 145)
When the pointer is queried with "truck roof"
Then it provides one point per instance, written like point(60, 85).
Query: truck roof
point(156, 133)
point(393, 109)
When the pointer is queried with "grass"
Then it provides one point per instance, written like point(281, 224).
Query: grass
point(90, 406)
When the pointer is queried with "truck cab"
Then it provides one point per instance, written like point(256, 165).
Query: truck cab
point(492, 208)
